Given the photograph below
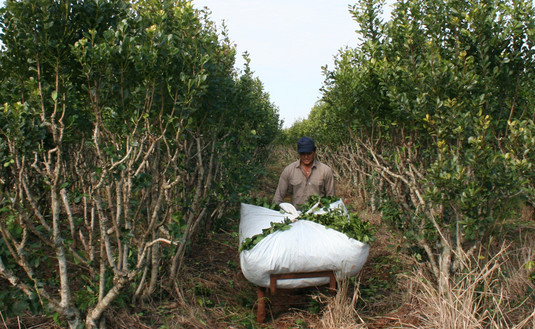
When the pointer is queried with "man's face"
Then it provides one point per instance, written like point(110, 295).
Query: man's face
point(307, 158)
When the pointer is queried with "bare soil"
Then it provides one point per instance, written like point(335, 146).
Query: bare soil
point(215, 294)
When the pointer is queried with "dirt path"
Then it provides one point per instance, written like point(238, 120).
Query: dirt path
point(215, 294)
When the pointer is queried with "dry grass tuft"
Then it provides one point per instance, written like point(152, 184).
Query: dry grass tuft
point(492, 292)
point(340, 309)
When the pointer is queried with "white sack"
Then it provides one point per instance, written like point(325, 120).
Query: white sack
point(305, 247)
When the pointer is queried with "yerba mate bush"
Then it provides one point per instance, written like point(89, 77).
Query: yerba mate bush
point(126, 133)
point(422, 117)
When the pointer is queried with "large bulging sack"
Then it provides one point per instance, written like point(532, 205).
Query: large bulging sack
point(305, 247)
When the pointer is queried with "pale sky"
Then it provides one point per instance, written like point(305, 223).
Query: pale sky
point(288, 42)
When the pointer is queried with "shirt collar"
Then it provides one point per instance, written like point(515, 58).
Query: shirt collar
point(298, 163)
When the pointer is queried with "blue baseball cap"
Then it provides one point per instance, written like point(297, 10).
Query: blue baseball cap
point(306, 145)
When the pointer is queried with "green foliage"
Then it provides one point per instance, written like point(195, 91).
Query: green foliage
point(349, 224)
point(133, 100)
point(437, 101)
point(261, 202)
point(318, 125)
point(530, 266)
point(383, 277)
point(250, 242)
point(12, 301)
point(87, 297)
point(320, 202)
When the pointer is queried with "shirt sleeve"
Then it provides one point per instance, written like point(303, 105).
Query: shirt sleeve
point(282, 188)
point(330, 184)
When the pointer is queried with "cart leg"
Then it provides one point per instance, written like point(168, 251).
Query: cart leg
point(260, 304)
point(332, 283)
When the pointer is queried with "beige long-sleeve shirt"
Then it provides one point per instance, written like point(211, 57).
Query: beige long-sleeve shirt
point(320, 182)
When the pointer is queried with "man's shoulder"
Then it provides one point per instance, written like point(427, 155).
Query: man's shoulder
point(323, 168)
point(292, 166)
point(322, 165)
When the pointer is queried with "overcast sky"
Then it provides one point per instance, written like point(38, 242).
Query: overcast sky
point(288, 42)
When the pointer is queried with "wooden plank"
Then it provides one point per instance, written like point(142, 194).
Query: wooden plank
point(301, 275)
point(261, 292)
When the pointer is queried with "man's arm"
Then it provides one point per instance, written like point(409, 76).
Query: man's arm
point(330, 184)
point(282, 188)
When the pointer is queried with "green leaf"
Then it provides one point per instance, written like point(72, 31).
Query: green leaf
point(258, 239)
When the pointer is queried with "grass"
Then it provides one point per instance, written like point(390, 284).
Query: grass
point(340, 310)
point(495, 291)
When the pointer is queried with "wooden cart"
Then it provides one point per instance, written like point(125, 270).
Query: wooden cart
point(262, 293)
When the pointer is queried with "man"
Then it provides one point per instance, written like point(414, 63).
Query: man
point(306, 176)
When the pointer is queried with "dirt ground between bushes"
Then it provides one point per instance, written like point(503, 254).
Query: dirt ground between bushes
point(215, 294)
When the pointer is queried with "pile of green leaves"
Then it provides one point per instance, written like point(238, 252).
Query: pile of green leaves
point(348, 223)
point(261, 201)
point(249, 243)
point(324, 202)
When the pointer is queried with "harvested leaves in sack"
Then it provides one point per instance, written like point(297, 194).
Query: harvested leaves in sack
point(348, 223)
